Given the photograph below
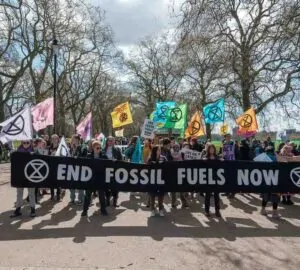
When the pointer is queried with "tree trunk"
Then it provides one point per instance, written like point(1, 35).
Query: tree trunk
point(208, 131)
point(245, 80)
point(2, 114)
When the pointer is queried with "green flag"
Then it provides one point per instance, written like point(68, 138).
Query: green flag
point(176, 117)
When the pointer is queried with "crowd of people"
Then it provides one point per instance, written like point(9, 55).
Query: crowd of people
point(153, 151)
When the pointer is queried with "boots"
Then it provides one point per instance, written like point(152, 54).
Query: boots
point(115, 202)
point(32, 212)
point(16, 213)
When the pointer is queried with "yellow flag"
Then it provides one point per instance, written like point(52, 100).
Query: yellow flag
point(121, 115)
point(195, 127)
point(224, 129)
point(247, 121)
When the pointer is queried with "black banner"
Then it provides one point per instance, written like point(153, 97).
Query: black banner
point(28, 170)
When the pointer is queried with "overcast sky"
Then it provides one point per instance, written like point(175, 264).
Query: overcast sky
point(132, 20)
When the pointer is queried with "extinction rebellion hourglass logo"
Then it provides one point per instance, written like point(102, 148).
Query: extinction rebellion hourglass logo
point(36, 170)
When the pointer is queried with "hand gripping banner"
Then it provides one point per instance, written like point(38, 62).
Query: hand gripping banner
point(30, 170)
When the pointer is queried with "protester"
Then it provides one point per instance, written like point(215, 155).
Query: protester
point(95, 154)
point(113, 153)
point(76, 151)
point(176, 156)
point(131, 147)
point(244, 152)
point(211, 154)
point(52, 151)
point(146, 150)
point(286, 152)
point(229, 152)
point(155, 158)
point(196, 146)
point(25, 147)
point(274, 198)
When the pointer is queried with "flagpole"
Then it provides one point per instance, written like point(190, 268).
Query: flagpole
point(54, 47)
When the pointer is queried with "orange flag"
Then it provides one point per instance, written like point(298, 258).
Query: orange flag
point(247, 121)
point(195, 127)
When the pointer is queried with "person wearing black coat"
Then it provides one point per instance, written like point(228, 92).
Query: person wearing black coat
point(113, 153)
point(95, 154)
point(244, 153)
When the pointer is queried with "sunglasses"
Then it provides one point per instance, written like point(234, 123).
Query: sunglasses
point(26, 142)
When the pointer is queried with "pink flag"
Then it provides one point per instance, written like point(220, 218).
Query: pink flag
point(42, 114)
point(85, 127)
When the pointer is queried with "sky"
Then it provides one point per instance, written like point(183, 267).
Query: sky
point(133, 20)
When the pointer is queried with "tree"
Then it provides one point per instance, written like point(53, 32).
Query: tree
point(261, 37)
point(155, 72)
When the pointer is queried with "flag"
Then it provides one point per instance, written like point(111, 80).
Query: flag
point(176, 117)
point(42, 114)
point(224, 129)
point(281, 135)
point(247, 122)
point(63, 149)
point(137, 153)
point(119, 133)
point(214, 112)
point(85, 127)
point(195, 127)
point(17, 127)
point(160, 114)
point(121, 115)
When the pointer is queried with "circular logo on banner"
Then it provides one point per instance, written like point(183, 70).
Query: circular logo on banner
point(163, 112)
point(295, 176)
point(215, 114)
point(123, 117)
point(195, 127)
point(16, 126)
point(36, 170)
point(175, 115)
point(246, 121)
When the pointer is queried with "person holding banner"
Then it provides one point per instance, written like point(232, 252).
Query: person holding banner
point(25, 147)
point(274, 198)
point(95, 154)
point(286, 153)
point(76, 151)
point(229, 151)
point(52, 151)
point(211, 154)
point(112, 153)
point(156, 157)
point(177, 156)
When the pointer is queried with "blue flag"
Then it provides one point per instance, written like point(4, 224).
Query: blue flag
point(214, 112)
point(160, 115)
point(137, 153)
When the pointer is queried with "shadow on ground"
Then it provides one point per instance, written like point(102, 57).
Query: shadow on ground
point(177, 223)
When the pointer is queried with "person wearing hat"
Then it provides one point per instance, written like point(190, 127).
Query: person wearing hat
point(95, 154)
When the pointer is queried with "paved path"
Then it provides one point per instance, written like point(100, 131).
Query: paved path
point(58, 238)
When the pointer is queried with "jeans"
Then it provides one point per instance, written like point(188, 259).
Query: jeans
point(80, 195)
point(57, 192)
point(207, 201)
point(182, 198)
point(31, 194)
point(160, 198)
point(87, 200)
